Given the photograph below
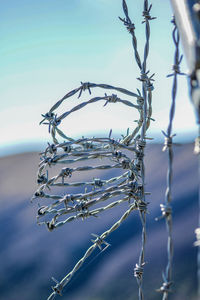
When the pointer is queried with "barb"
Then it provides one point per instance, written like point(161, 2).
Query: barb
point(97, 243)
point(83, 87)
point(126, 155)
point(109, 99)
point(197, 230)
point(144, 122)
point(166, 208)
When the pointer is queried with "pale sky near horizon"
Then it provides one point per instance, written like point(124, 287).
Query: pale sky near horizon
point(48, 47)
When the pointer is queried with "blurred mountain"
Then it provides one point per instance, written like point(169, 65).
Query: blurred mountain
point(30, 255)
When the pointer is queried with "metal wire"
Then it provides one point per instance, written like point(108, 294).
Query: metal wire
point(144, 123)
point(166, 208)
point(125, 154)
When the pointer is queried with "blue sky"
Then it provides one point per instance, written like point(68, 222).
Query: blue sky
point(48, 47)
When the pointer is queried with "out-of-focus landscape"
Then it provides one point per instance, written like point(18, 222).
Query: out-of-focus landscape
point(30, 255)
point(47, 49)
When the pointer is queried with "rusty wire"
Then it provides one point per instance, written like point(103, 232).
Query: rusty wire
point(166, 208)
point(125, 154)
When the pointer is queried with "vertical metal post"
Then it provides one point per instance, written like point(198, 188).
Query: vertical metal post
point(197, 231)
point(187, 15)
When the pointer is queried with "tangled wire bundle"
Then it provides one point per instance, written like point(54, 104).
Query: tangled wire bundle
point(101, 154)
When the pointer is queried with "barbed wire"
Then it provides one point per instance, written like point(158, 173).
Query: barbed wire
point(166, 208)
point(125, 155)
point(145, 117)
point(98, 242)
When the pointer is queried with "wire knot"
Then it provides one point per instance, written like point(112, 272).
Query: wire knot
point(133, 185)
point(111, 99)
point(39, 194)
point(149, 86)
point(117, 154)
point(66, 172)
point(176, 68)
point(143, 77)
point(141, 205)
point(67, 148)
point(81, 206)
point(68, 198)
point(131, 175)
point(197, 232)
point(129, 25)
point(140, 155)
point(140, 100)
point(53, 121)
point(41, 210)
point(51, 148)
point(125, 164)
point(58, 287)
point(168, 141)
point(99, 241)
point(147, 81)
point(98, 182)
point(42, 179)
point(141, 144)
point(134, 191)
point(84, 86)
point(166, 211)
point(85, 214)
point(48, 160)
point(48, 116)
point(138, 271)
point(51, 225)
point(165, 288)
point(146, 14)
point(197, 145)
point(88, 145)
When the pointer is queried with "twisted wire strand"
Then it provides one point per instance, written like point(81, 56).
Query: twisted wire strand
point(144, 121)
point(131, 29)
point(87, 86)
point(109, 99)
point(51, 158)
point(129, 185)
point(145, 82)
point(85, 183)
point(53, 121)
point(60, 285)
point(89, 143)
point(84, 205)
point(93, 213)
point(85, 199)
point(104, 195)
point(166, 208)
